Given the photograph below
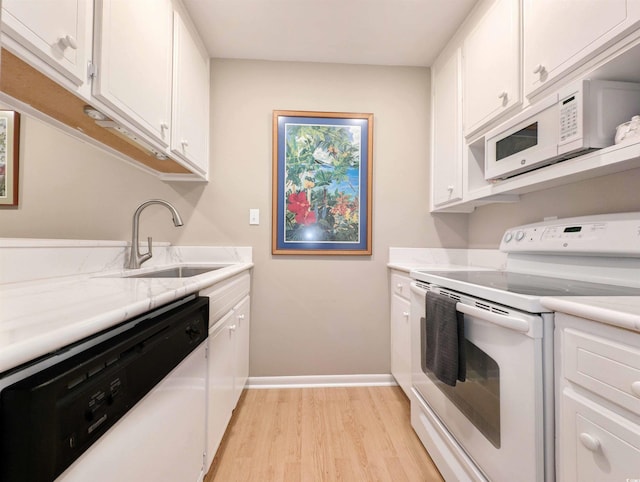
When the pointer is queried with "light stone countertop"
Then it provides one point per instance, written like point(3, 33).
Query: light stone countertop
point(45, 314)
point(434, 259)
point(622, 311)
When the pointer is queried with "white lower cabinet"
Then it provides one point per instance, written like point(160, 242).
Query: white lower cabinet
point(228, 356)
point(597, 401)
point(220, 385)
point(241, 319)
point(400, 331)
point(597, 444)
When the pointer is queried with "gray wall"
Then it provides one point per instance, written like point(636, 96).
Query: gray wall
point(311, 315)
point(615, 193)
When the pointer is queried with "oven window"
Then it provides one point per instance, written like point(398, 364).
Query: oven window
point(517, 142)
point(478, 398)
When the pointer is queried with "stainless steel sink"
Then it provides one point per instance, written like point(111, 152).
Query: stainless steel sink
point(177, 272)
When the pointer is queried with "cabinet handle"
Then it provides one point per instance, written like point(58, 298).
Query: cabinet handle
point(539, 69)
point(635, 388)
point(68, 41)
point(590, 442)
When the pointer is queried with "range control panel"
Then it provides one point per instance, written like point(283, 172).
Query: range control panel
point(606, 234)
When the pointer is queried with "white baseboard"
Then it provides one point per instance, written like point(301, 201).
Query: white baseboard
point(314, 381)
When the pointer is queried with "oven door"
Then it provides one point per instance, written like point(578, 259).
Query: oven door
point(496, 416)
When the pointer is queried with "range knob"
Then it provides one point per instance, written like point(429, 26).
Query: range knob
point(519, 235)
point(508, 237)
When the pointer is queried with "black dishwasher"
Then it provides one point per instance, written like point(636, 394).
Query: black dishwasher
point(50, 417)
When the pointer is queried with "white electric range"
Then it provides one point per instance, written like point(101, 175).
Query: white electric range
point(498, 424)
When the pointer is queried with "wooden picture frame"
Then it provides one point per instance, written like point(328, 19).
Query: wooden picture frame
point(322, 183)
point(9, 157)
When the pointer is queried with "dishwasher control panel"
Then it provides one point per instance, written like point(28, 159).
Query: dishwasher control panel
point(49, 418)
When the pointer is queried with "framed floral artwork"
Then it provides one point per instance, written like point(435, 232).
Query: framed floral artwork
point(9, 150)
point(322, 181)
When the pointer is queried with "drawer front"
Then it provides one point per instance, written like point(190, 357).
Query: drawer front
point(401, 285)
point(606, 367)
point(595, 444)
point(225, 295)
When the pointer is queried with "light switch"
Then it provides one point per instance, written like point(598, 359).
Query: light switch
point(254, 216)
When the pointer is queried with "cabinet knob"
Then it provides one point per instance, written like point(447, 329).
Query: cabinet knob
point(405, 314)
point(590, 442)
point(164, 126)
point(635, 388)
point(184, 143)
point(503, 95)
point(539, 69)
point(68, 41)
point(450, 188)
point(232, 327)
point(241, 317)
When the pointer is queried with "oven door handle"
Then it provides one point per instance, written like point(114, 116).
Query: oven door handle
point(517, 324)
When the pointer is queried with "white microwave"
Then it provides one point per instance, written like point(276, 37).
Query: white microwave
point(579, 118)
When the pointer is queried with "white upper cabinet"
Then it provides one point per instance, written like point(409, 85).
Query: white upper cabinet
point(57, 32)
point(446, 159)
point(133, 54)
point(190, 120)
point(491, 63)
point(561, 34)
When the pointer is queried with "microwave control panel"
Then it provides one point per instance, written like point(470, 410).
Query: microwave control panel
point(568, 118)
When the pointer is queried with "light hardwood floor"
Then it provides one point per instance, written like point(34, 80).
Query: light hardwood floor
point(322, 434)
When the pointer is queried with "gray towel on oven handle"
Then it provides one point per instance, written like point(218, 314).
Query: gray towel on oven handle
point(444, 347)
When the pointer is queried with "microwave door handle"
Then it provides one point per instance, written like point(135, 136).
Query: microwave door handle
point(510, 322)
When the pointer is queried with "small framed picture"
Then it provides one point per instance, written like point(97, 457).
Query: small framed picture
point(9, 155)
point(322, 183)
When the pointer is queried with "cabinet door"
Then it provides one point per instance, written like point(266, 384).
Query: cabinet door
point(57, 32)
point(491, 57)
point(401, 343)
point(596, 444)
point(133, 50)
point(446, 161)
point(242, 316)
point(219, 384)
point(560, 34)
point(190, 121)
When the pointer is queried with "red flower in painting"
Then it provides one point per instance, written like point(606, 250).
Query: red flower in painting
point(298, 204)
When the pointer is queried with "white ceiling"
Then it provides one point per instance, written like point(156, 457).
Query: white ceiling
point(376, 32)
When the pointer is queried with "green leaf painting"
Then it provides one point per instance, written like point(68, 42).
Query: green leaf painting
point(3, 157)
point(322, 182)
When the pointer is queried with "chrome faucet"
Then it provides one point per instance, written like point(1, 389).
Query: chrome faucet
point(136, 258)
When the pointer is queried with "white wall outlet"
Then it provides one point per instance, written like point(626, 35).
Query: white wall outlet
point(254, 216)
